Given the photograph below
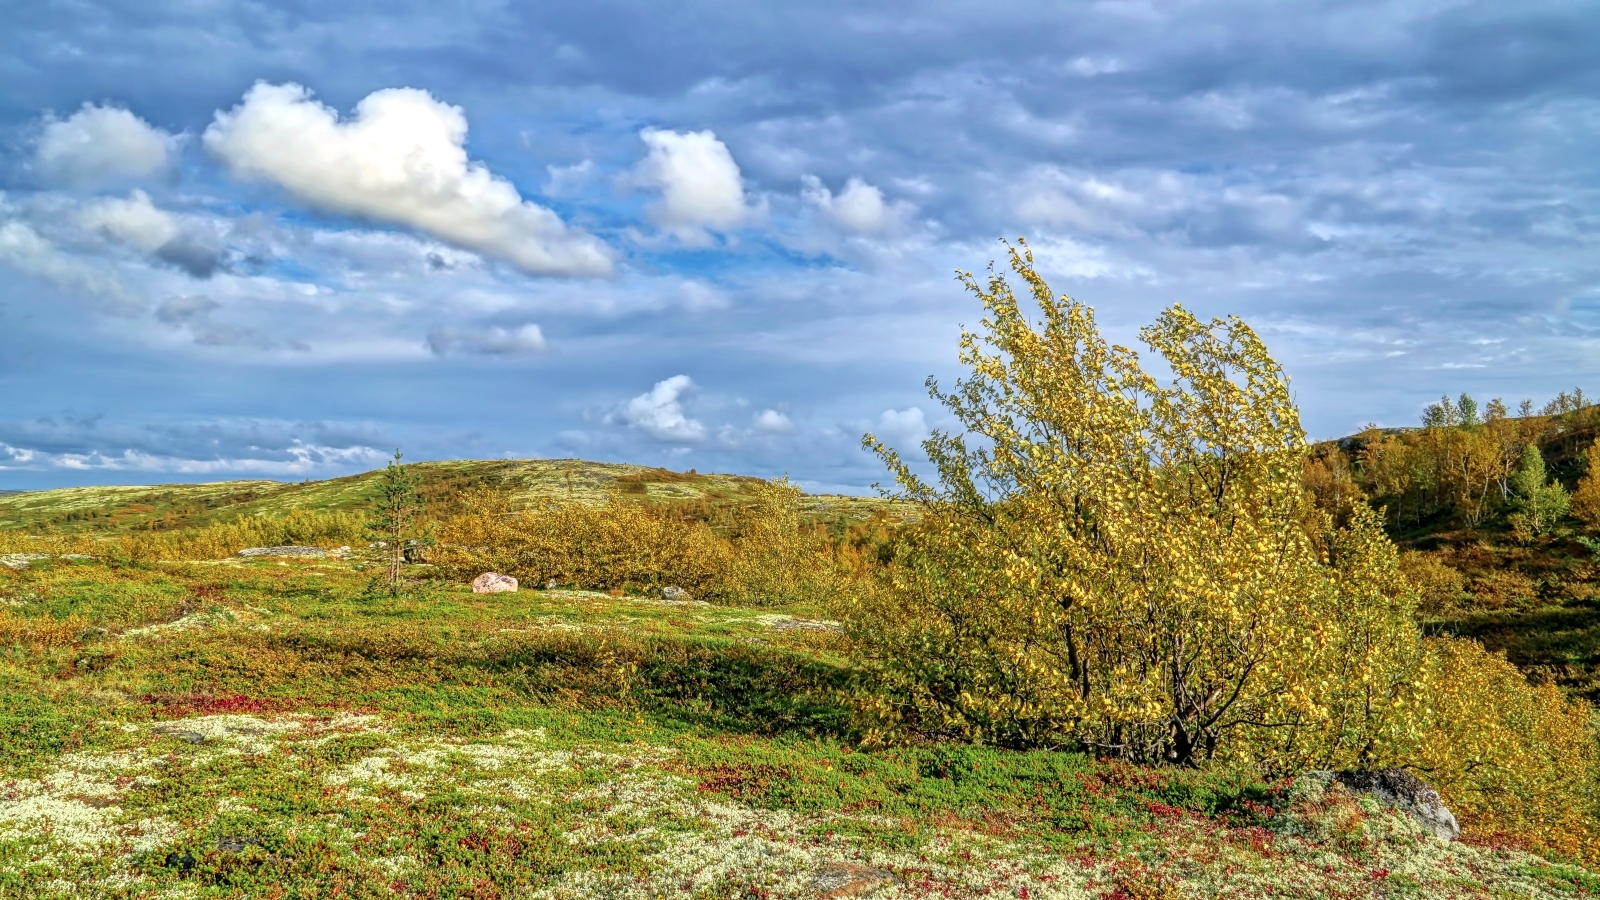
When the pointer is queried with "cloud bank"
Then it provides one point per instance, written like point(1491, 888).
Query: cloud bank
point(400, 159)
point(449, 340)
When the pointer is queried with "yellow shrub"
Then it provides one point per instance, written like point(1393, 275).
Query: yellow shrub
point(41, 632)
point(1439, 587)
point(618, 545)
point(1502, 589)
point(775, 560)
point(1134, 566)
point(1586, 498)
point(769, 559)
point(1509, 758)
point(55, 544)
point(300, 527)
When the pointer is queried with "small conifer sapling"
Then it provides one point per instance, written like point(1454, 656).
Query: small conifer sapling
point(395, 519)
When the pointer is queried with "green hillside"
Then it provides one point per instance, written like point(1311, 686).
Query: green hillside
point(1448, 493)
point(123, 508)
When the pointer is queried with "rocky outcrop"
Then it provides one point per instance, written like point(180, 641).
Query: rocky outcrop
point(1402, 791)
point(290, 551)
point(20, 561)
point(494, 583)
point(848, 880)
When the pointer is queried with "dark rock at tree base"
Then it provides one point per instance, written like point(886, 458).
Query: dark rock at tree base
point(1401, 790)
point(848, 880)
point(236, 843)
point(494, 583)
point(307, 552)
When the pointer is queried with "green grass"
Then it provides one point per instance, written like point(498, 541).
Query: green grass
point(265, 729)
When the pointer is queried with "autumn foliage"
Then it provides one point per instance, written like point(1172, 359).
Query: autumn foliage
point(766, 558)
point(1142, 568)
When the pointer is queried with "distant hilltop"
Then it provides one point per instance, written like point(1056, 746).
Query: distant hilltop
point(125, 507)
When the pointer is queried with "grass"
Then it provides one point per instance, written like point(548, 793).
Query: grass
point(122, 508)
point(264, 728)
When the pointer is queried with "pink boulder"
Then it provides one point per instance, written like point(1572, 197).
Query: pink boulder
point(493, 583)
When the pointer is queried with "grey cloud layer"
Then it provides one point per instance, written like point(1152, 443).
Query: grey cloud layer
point(1403, 197)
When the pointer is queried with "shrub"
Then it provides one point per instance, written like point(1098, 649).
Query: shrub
point(1440, 588)
point(1509, 758)
point(300, 526)
point(769, 559)
point(1108, 562)
point(1586, 497)
point(616, 545)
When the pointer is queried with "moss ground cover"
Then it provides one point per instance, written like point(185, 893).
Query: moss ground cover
point(265, 729)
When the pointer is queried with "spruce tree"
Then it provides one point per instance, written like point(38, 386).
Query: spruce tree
point(395, 518)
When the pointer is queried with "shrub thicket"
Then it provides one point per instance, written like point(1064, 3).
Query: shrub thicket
point(770, 558)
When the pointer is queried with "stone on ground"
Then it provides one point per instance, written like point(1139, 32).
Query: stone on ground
point(305, 552)
point(848, 880)
point(493, 583)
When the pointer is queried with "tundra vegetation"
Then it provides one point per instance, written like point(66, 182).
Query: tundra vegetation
point(1085, 655)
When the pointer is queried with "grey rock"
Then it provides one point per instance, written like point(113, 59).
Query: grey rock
point(236, 843)
point(20, 561)
point(675, 594)
point(304, 552)
point(494, 583)
point(1403, 791)
point(847, 880)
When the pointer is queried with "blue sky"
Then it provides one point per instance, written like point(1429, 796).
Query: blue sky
point(280, 239)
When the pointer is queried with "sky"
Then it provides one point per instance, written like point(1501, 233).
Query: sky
point(283, 239)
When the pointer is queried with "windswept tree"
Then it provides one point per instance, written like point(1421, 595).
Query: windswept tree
point(1112, 561)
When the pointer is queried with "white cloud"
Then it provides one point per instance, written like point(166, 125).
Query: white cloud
point(659, 412)
point(24, 249)
point(859, 207)
point(102, 143)
point(140, 224)
point(402, 159)
point(701, 297)
point(568, 180)
point(773, 422)
point(698, 180)
point(495, 341)
point(905, 425)
point(134, 221)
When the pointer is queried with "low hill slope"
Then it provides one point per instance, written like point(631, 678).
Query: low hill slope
point(121, 508)
point(260, 728)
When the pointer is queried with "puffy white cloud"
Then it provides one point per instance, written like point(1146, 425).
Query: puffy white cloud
point(905, 425)
point(860, 207)
point(401, 159)
point(773, 422)
point(102, 143)
point(495, 341)
point(699, 183)
point(659, 412)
